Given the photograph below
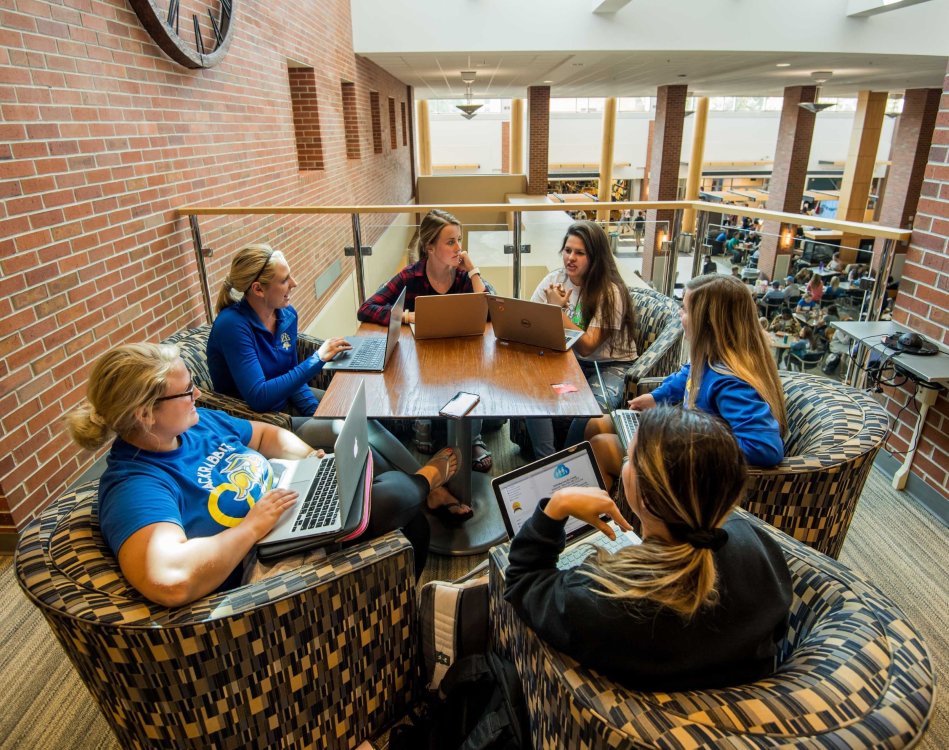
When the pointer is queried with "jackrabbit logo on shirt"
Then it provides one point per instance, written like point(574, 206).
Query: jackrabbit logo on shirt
point(243, 473)
point(285, 341)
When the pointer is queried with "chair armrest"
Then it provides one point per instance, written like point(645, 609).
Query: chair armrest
point(237, 408)
point(307, 346)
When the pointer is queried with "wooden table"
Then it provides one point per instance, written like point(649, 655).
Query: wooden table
point(513, 380)
point(781, 343)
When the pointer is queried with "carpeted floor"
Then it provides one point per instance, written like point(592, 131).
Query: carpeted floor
point(891, 542)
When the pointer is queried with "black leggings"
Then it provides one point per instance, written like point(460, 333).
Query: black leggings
point(398, 502)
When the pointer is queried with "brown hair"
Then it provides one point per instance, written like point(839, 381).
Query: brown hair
point(689, 473)
point(726, 336)
point(428, 231)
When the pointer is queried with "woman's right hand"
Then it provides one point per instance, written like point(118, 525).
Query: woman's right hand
point(331, 347)
point(556, 295)
point(587, 504)
point(265, 513)
point(641, 403)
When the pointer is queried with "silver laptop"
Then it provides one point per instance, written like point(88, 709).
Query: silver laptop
point(327, 486)
point(440, 316)
point(533, 323)
point(519, 493)
point(371, 353)
point(625, 421)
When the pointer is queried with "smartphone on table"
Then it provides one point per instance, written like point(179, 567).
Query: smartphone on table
point(459, 405)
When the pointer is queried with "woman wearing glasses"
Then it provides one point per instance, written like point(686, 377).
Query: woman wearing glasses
point(187, 492)
point(252, 355)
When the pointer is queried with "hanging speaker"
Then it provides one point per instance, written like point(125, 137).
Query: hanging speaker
point(910, 343)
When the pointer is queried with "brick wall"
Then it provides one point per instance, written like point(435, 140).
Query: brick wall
point(101, 138)
point(923, 304)
point(538, 138)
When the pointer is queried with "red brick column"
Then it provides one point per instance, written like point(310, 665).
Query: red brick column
point(664, 168)
point(538, 138)
point(791, 154)
point(923, 305)
point(908, 154)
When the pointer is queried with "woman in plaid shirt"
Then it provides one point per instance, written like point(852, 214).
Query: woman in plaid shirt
point(443, 268)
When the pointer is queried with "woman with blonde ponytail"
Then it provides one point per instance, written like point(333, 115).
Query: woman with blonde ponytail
point(701, 603)
point(730, 374)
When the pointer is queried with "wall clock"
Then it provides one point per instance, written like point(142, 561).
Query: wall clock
point(197, 41)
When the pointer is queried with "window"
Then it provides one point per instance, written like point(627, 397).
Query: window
point(306, 116)
point(405, 129)
point(376, 122)
point(393, 128)
point(350, 120)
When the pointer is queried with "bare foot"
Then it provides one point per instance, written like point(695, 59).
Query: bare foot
point(440, 468)
point(442, 498)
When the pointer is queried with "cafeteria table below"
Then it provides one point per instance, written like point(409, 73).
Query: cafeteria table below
point(512, 380)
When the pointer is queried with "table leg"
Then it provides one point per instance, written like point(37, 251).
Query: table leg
point(486, 528)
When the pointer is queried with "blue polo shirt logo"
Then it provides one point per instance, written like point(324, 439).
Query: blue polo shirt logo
point(285, 341)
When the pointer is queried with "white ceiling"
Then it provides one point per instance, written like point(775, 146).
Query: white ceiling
point(636, 73)
point(716, 47)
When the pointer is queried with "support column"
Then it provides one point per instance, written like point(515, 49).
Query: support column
point(861, 159)
point(644, 184)
point(664, 170)
point(517, 136)
point(606, 156)
point(538, 139)
point(909, 154)
point(695, 166)
point(505, 147)
point(424, 140)
point(791, 155)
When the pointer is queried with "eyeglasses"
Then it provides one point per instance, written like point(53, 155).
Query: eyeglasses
point(189, 393)
point(269, 256)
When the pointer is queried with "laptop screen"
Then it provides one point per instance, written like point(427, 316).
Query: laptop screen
point(520, 492)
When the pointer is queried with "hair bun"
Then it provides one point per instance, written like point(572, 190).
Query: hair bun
point(713, 539)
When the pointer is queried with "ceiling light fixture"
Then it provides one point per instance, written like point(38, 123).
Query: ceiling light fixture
point(468, 110)
point(820, 77)
point(782, 65)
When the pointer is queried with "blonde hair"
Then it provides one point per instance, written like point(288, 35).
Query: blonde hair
point(428, 231)
point(122, 382)
point(690, 473)
point(252, 263)
point(726, 336)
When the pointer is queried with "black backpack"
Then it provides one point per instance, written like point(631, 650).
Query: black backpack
point(480, 706)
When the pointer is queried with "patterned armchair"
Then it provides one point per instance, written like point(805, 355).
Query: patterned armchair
point(658, 335)
point(324, 655)
point(193, 344)
point(834, 434)
point(853, 673)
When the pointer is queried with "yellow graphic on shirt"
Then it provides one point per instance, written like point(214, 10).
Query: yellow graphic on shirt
point(688, 390)
point(244, 472)
point(285, 341)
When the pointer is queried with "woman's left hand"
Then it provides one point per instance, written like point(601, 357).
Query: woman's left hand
point(464, 261)
point(587, 504)
point(332, 347)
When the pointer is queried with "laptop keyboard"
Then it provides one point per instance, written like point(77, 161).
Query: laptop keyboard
point(320, 507)
point(577, 553)
point(628, 422)
point(370, 353)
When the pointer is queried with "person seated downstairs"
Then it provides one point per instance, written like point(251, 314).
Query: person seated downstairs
point(701, 603)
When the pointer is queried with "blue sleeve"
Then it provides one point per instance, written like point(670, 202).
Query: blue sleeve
point(262, 394)
point(749, 416)
point(134, 501)
point(672, 390)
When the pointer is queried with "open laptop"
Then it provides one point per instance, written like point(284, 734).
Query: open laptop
point(625, 421)
point(519, 493)
point(440, 316)
point(371, 353)
point(533, 323)
point(328, 488)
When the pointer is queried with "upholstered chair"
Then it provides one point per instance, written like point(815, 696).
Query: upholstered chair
point(853, 673)
point(193, 344)
point(658, 335)
point(324, 655)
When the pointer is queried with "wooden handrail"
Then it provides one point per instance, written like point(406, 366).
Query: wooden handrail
point(849, 227)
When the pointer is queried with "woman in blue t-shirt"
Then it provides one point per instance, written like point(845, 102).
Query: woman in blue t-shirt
point(187, 492)
point(731, 374)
